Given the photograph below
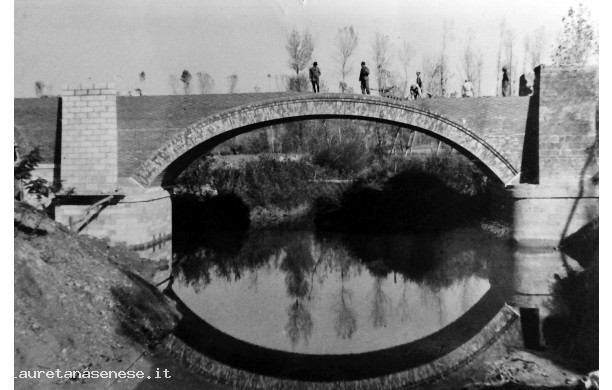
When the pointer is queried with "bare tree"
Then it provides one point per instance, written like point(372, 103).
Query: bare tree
point(142, 77)
point(431, 69)
point(280, 81)
point(509, 58)
point(471, 62)
point(173, 82)
point(578, 41)
point(39, 88)
point(536, 47)
point(435, 67)
point(445, 74)
point(300, 48)
point(186, 79)
point(382, 60)
point(232, 83)
point(405, 56)
point(502, 30)
point(526, 45)
point(479, 65)
point(346, 42)
point(205, 82)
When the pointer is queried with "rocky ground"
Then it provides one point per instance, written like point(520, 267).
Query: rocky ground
point(81, 304)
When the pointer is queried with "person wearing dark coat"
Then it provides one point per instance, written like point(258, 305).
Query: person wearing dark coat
point(505, 82)
point(315, 73)
point(364, 79)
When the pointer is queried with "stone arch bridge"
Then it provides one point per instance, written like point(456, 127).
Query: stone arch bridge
point(122, 153)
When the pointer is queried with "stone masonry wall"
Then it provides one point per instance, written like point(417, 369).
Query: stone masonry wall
point(569, 99)
point(89, 138)
point(142, 221)
point(567, 194)
point(175, 154)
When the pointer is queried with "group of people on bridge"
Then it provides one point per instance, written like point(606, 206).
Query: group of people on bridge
point(416, 90)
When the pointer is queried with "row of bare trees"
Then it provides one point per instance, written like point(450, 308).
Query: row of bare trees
point(205, 83)
point(576, 44)
point(436, 68)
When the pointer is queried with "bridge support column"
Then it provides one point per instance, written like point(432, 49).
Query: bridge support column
point(103, 205)
point(141, 220)
point(543, 217)
point(545, 214)
point(564, 195)
point(89, 138)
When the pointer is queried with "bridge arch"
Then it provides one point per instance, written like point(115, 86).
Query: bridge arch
point(164, 166)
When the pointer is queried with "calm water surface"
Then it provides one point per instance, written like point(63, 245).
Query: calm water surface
point(299, 291)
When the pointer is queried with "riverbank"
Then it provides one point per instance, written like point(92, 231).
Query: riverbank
point(425, 193)
point(83, 305)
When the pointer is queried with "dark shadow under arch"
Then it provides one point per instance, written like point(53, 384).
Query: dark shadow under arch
point(168, 177)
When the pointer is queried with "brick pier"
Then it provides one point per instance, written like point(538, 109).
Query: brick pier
point(139, 217)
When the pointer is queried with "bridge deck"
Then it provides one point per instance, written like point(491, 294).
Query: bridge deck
point(145, 122)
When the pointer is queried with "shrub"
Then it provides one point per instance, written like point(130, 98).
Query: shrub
point(346, 158)
point(432, 194)
point(39, 188)
point(264, 182)
point(297, 83)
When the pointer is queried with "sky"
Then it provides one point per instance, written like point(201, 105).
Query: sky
point(78, 41)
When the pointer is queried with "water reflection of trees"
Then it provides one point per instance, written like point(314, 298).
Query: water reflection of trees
point(380, 304)
point(297, 265)
point(307, 260)
point(380, 300)
point(346, 321)
point(403, 305)
point(299, 324)
point(436, 262)
point(199, 257)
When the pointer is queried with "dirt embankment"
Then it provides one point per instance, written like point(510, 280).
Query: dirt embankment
point(80, 304)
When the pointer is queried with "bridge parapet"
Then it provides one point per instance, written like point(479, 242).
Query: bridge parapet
point(89, 138)
point(472, 135)
point(568, 124)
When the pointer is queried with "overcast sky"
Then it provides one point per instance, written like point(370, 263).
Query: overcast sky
point(76, 41)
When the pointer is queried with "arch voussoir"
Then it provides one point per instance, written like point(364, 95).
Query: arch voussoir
point(215, 126)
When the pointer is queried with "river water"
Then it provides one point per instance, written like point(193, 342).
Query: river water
point(301, 291)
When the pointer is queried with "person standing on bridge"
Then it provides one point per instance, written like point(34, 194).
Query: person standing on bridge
point(415, 92)
point(364, 79)
point(315, 73)
point(467, 89)
point(506, 91)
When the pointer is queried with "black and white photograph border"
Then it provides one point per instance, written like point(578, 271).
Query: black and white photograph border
point(302, 194)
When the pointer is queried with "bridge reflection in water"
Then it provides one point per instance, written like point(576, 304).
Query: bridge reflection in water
point(285, 295)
